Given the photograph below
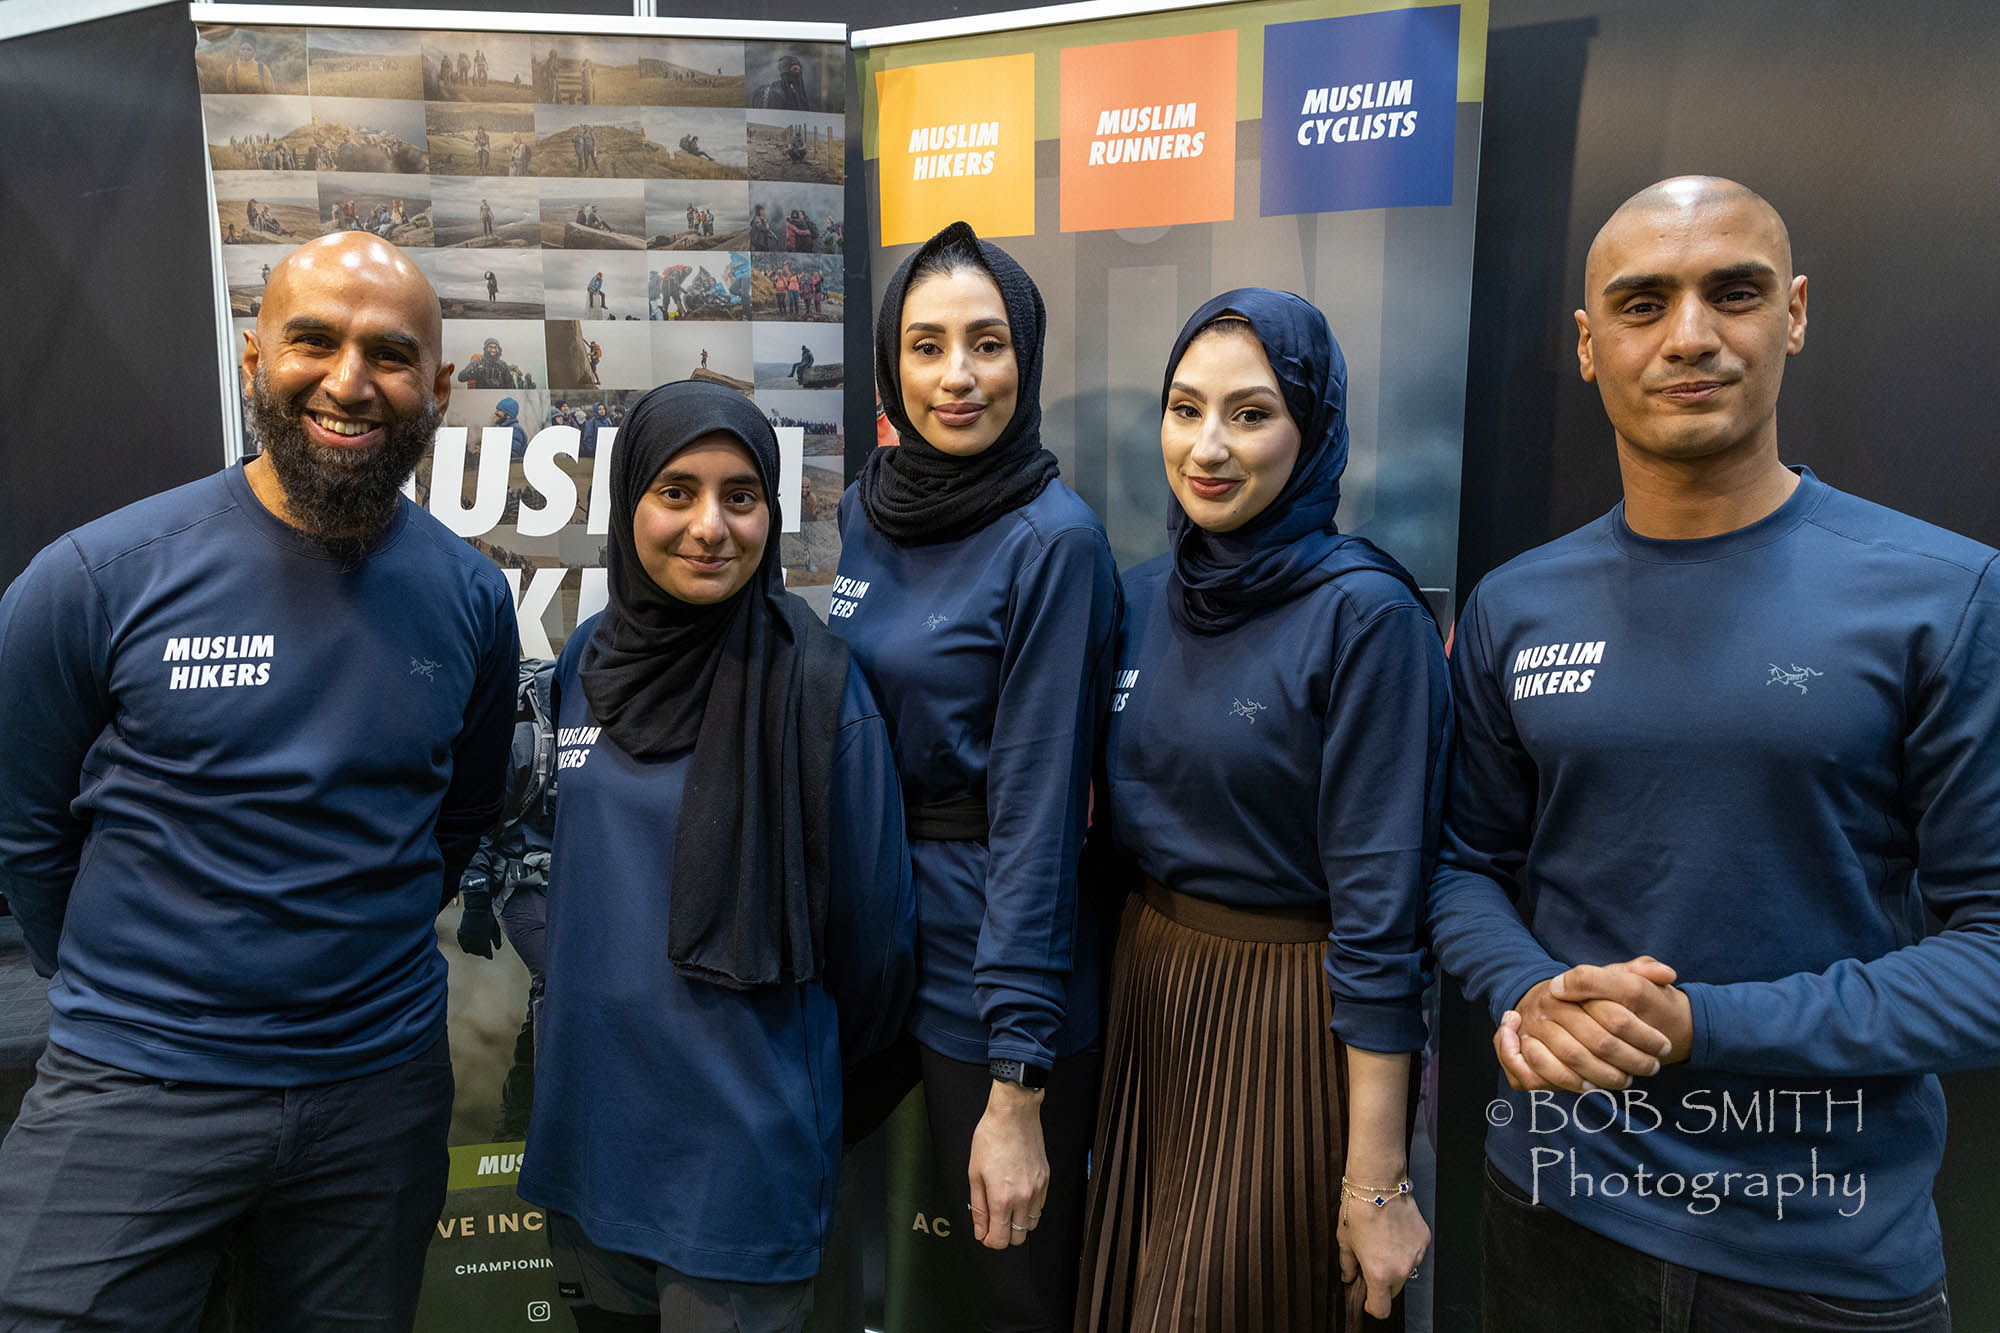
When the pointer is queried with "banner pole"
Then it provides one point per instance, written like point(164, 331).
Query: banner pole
point(225, 327)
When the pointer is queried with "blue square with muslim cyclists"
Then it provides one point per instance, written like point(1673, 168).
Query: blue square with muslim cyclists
point(1360, 111)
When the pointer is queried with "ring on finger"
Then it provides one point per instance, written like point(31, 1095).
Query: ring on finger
point(1015, 1226)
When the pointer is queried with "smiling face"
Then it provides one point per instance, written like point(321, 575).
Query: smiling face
point(960, 378)
point(1691, 310)
point(345, 386)
point(1227, 439)
point(348, 338)
point(701, 527)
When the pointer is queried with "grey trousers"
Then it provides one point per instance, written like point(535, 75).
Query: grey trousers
point(609, 1292)
point(119, 1194)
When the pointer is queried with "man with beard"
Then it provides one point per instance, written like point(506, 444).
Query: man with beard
point(257, 725)
point(488, 370)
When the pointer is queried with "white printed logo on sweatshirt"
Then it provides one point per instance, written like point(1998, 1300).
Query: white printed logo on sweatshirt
point(847, 595)
point(1794, 676)
point(574, 745)
point(1121, 689)
point(219, 661)
point(1557, 668)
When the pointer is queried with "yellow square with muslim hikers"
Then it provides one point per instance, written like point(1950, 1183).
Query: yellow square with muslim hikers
point(957, 140)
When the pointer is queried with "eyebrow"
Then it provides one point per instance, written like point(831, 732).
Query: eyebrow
point(976, 326)
point(1233, 396)
point(298, 324)
point(740, 479)
point(1640, 282)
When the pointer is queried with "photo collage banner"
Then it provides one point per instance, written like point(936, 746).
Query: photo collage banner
point(598, 214)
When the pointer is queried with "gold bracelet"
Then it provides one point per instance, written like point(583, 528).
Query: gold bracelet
point(1378, 1196)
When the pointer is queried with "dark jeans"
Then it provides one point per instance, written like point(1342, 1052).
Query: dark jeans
point(1542, 1271)
point(119, 1194)
point(611, 1292)
point(1025, 1288)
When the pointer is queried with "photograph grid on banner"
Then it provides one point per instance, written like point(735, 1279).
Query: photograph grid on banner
point(554, 188)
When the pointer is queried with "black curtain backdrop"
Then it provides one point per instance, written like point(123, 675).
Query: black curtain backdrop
point(1871, 127)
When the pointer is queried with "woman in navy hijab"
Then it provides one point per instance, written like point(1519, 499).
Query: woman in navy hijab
point(1279, 723)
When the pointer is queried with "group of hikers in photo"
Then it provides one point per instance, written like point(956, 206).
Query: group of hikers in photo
point(799, 294)
point(801, 234)
point(383, 219)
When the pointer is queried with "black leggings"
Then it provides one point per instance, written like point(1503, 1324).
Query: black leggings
point(1025, 1288)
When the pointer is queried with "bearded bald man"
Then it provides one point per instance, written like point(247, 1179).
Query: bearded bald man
point(259, 723)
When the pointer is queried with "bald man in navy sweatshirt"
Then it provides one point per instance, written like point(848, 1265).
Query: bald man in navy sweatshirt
point(1718, 752)
point(257, 724)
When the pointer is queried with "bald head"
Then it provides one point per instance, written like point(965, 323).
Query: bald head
point(1690, 310)
point(1688, 204)
point(353, 266)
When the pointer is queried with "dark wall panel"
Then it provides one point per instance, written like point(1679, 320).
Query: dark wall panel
point(107, 362)
point(1871, 129)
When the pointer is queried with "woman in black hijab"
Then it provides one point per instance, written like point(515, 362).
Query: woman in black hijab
point(980, 596)
point(731, 917)
point(1274, 770)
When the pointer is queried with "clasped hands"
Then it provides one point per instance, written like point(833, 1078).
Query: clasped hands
point(1595, 1027)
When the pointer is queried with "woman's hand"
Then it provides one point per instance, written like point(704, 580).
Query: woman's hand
point(1009, 1170)
point(1382, 1247)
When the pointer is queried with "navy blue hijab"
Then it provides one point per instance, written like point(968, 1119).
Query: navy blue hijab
point(1222, 579)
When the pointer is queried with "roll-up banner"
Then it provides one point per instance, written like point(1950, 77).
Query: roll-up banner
point(603, 204)
point(1137, 160)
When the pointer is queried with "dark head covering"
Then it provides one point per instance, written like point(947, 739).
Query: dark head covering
point(916, 493)
point(1222, 579)
point(753, 686)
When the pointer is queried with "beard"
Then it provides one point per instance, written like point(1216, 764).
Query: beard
point(343, 499)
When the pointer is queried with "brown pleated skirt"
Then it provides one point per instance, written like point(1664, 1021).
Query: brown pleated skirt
point(1215, 1180)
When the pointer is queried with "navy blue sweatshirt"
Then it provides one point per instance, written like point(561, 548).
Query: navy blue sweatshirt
point(991, 656)
point(676, 1120)
point(239, 775)
point(1293, 762)
point(1756, 757)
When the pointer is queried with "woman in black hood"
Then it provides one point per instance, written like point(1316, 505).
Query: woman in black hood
point(731, 918)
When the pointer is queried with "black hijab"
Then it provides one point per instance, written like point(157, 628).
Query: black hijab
point(753, 686)
point(1222, 579)
point(916, 493)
